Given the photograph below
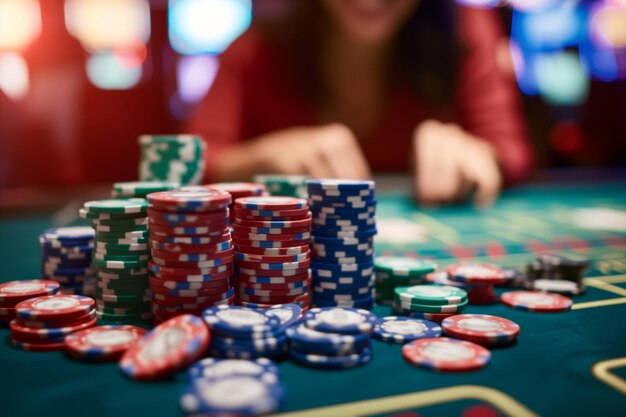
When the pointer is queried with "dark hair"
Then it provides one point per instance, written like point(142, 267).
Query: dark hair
point(428, 45)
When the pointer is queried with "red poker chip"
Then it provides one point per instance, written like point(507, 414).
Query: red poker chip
point(270, 237)
point(476, 273)
point(279, 287)
point(176, 285)
point(191, 240)
point(197, 293)
point(169, 300)
point(103, 342)
point(53, 307)
point(306, 256)
point(190, 278)
point(7, 314)
point(167, 218)
point(289, 292)
point(166, 270)
point(190, 257)
point(189, 231)
point(271, 272)
point(277, 214)
point(245, 230)
point(185, 307)
point(238, 189)
point(481, 328)
point(283, 266)
point(305, 306)
point(254, 279)
point(265, 244)
point(15, 291)
point(446, 354)
point(39, 324)
point(270, 299)
point(271, 203)
point(194, 264)
point(37, 335)
point(293, 250)
point(38, 347)
point(190, 198)
point(287, 224)
point(212, 225)
point(536, 301)
point(190, 248)
point(142, 361)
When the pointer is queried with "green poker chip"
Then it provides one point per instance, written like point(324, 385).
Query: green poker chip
point(141, 188)
point(124, 318)
point(123, 241)
point(131, 247)
point(284, 185)
point(123, 234)
point(85, 214)
point(120, 264)
point(104, 228)
point(404, 267)
point(424, 308)
point(126, 257)
point(118, 206)
point(124, 297)
point(431, 295)
point(124, 222)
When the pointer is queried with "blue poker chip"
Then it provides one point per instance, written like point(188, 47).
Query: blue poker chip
point(352, 294)
point(361, 303)
point(362, 213)
point(215, 368)
point(240, 321)
point(259, 345)
point(71, 234)
point(340, 320)
point(349, 270)
point(332, 362)
point(307, 340)
point(68, 271)
point(247, 351)
point(361, 234)
point(288, 314)
point(341, 196)
point(70, 250)
point(339, 184)
point(235, 394)
point(346, 242)
point(402, 330)
point(343, 282)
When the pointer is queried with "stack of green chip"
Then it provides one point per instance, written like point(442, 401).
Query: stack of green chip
point(433, 302)
point(120, 259)
point(172, 158)
point(284, 185)
point(140, 189)
point(393, 271)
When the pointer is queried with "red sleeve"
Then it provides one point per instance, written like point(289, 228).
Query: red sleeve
point(220, 117)
point(487, 99)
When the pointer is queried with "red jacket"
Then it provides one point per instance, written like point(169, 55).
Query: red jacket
point(251, 97)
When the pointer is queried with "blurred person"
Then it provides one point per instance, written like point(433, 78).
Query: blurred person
point(338, 88)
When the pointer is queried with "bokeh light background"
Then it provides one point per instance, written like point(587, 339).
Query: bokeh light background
point(81, 76)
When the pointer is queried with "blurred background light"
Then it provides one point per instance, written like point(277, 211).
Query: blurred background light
point(607, 25)
point(481, 3)
point(14, 79)
point(102, 25)
point(531, 5)
point(106, 71)
point(195, 75)
point(207, 26)
point(20, 23)
point(561, 78)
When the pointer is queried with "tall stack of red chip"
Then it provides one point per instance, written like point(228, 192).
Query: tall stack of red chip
point(192, 251)
point(238, 190)
point(271, 236)
point(42, 323)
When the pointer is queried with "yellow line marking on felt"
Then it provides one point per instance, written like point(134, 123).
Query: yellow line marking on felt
point(599, 303)
point(439, 230)
point(601, 370)
point(397, 403)
point(605, 286)
point(611, 279)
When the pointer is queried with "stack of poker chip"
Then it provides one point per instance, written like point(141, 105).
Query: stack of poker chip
point(233, 387)
point(172, 158)
point(140, 189)
point(66, 254)
point(394, 271)
point(103, 343)
point(492, 331)
point(238, 190)
point(446, 354)
point(43, 323)
point(249, 333)
point(271, 236)
point(14, 292)
point(400, 330)
point(542, 302)
point(283, 185)
point(169, 347)
point(558, 274)
point(192, 252)
point(120, 258)
point(342, 242)
point(332, 338)
point(430, 302)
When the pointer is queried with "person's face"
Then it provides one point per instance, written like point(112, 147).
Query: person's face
point(370, 21)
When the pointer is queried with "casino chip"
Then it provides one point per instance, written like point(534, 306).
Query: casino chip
point(176, 158)
point(446, 354)
point(284, 185)
point(170, 346)
point(140, 189)
point(430, 299)
point(343, 320)
point(215, 368)
point(536, 301)
point(393, 271)
point(559, 286)
point(13, 292)
point(332, 362)
point(557, 273)
point(404, 329)
point(103, 343)
point(481, 328)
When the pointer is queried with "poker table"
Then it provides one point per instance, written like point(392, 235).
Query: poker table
point(571, 363)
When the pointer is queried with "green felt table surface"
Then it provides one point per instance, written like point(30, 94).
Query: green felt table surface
point(565, 364)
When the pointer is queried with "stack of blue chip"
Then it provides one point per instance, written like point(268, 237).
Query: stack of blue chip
point(332, 338)
point(342, 242)
point(249, 333)
point(233, 387)
point(66, 259)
